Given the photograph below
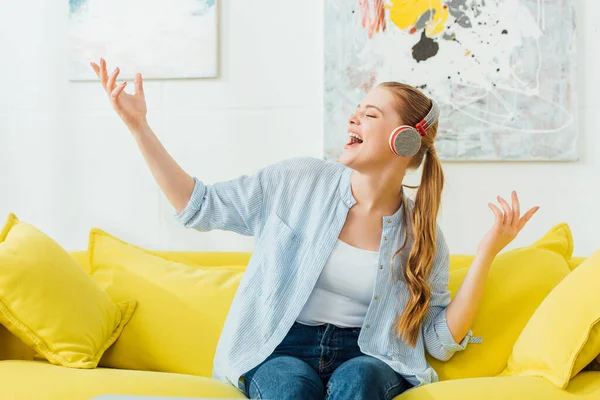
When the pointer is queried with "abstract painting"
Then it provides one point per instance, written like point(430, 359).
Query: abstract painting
point(161, 39)
point(502, 71)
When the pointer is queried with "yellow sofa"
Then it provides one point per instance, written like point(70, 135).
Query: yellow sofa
point(25, 376)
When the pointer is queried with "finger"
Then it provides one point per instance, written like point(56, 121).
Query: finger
point(139, 85)
point(103, 76)
point(96, 68)
point(516, 208)
point(497, 213)
point(110, 84)
point(508, 215)
point(525, 218)
point(117, 91)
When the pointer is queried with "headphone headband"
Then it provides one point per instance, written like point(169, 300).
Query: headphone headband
point(430, 119)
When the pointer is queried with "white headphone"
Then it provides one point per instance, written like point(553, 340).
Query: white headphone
point(405, 141)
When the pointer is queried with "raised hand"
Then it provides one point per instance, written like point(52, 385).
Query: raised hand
point(507, 225)
point(130, 107)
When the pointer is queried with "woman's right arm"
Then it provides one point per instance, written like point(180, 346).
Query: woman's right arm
point(175, 183)
point(235, 205)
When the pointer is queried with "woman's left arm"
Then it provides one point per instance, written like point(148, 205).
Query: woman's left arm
point(462, 310)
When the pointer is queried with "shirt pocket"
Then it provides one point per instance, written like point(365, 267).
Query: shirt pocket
point(278, 256)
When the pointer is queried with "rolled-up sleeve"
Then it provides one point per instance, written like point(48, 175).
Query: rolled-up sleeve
point(233, 205)
point(437, 337)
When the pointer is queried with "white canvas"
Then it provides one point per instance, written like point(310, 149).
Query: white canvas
point(161, 39)
point(502, 71)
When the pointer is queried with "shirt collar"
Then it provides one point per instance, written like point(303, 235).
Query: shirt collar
point(397, 217)
point(346, 188)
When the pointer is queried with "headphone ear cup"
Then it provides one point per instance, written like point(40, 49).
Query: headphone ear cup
point(405, 141)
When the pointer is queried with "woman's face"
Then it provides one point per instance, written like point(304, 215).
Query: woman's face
point(369, 129)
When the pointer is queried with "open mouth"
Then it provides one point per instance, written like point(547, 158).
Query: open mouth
point(354, 139)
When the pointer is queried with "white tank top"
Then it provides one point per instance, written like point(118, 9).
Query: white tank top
point(344, 289)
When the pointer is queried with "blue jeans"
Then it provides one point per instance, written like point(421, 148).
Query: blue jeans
point(317, 362)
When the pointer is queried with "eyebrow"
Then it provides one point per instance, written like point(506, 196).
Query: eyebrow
point(372, 106)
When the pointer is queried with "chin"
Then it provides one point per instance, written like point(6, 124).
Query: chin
point(346, 159)
point(349, 160)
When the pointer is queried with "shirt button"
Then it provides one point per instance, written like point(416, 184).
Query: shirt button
point(389, 221)
point(385, 238)
point(381, 267)
point(376, 297)
point(367, 326)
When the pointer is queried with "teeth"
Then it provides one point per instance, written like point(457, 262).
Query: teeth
point(354, 135)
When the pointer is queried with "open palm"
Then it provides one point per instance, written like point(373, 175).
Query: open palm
point(507, 225)
point(130, 107)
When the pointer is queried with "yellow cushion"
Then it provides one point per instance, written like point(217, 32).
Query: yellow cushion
point(27, 380)
point(576, 261)
point(181, 308)
point(201, 259)
point(50, 303)
point(459, 261)
point(208, 259)
point(13, 348)
point(563, 335)
point(585, 386)
point(517, 283)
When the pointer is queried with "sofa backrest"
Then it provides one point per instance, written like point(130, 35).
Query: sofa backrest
point(203, 258)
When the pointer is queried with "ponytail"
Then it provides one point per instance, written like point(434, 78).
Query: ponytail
point(420, 260)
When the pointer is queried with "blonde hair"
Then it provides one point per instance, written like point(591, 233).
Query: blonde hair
point(412, 105)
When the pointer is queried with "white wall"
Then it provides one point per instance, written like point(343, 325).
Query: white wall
point(67, 163)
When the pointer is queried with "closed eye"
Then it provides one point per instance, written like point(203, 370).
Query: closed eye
point(371, 116)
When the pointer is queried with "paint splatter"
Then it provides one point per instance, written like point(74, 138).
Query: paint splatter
point(457, 7)
point(505, 32)
point(458, 10)
point(424, 18)
point(430, 15)
point(372, 14)
point(425, 48)
point(75, 5)
point(449, 36)
point(464, 21)
point(204, 6)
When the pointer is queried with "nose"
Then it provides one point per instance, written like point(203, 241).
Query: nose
point(353, 120)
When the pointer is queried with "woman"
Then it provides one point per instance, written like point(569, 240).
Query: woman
point(348, 284)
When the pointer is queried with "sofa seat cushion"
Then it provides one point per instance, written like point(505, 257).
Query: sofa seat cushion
point(584, 386)
point(41, 380)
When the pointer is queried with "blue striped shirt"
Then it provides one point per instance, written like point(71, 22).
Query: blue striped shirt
point(296, 209)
